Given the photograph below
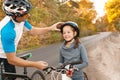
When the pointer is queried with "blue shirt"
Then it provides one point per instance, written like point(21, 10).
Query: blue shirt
point(10, 34)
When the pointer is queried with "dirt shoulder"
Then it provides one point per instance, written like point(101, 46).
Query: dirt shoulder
point(104, 59)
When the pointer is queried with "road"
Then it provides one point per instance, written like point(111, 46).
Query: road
point(51, 53)
point(104, 58)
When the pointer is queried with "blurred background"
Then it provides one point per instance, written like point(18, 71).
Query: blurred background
point(48, 12)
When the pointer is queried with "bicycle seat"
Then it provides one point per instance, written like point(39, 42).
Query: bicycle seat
point(26, 56)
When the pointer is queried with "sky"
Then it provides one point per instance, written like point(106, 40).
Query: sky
point(99, 7)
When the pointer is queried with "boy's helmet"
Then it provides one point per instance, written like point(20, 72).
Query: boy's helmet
point(73, 25)
point(16, 7)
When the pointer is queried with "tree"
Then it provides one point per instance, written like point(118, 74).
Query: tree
point(102, 24)
point(80, 11)
point(113, 12)
point(112, 9)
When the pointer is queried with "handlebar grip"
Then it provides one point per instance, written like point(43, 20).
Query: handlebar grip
point(72, 63)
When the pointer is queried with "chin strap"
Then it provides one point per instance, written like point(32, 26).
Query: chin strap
point(14, 18)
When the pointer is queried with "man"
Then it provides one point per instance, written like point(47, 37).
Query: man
point(11, 29)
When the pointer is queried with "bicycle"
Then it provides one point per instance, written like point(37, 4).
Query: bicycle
point(52, 73)
point(35, 76)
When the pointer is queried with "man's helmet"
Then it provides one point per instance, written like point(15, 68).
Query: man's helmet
point(16, 7)
point(73, 25)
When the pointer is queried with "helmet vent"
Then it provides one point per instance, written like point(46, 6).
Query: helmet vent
point(20, 9)
point(13, 7)
point(15, 1)
point(22, 3)
point(7, 5)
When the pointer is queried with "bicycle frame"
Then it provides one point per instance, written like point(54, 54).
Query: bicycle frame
point(57, 74)
point(65, 77)
point(15, 75)
point(35, 76)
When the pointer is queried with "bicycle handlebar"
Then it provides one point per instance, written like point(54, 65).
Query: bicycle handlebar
point(63, 69)
point(72, 63)
point(50, 69)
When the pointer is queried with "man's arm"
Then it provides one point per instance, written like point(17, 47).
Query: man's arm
point(13, 59)
point(39, 31)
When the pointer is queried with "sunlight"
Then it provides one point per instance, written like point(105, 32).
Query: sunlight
point(99, 7)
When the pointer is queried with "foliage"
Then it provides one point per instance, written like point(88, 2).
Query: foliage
point(113, 12)
point(82, 14)
point(47, 12)
point(1, 11)
point(28, 42)
point(113, 9)
point(40, 15)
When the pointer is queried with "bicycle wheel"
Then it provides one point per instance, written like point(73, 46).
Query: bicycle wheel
point(85, 76)
point(37, 75)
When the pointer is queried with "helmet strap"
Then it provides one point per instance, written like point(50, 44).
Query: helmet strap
point(14, 18)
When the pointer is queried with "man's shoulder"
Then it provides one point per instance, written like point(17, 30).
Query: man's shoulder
point(4, 21)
